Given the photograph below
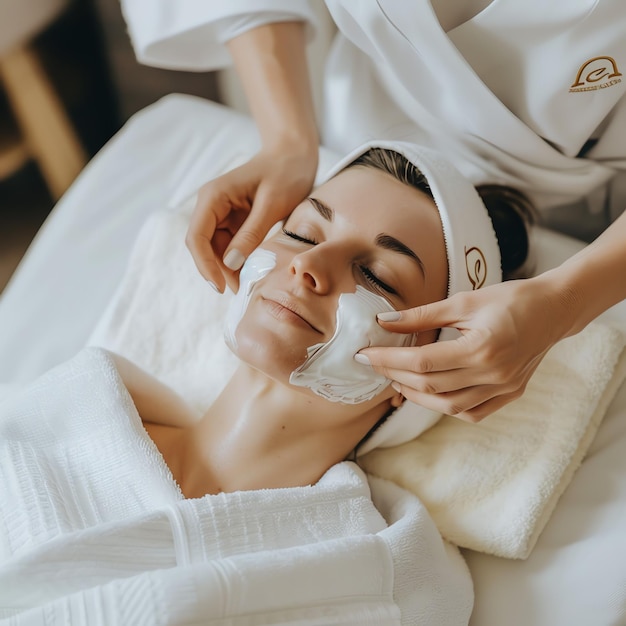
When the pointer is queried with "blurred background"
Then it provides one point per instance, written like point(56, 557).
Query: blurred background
point(68, 81)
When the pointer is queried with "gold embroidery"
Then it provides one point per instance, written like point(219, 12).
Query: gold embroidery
point(596, 73)
point(476, 267)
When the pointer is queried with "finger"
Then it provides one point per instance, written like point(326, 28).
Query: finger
point(434, 383)
point(264, 214)
point(471, 404)
point(232, 279)
point(433, 357)
point(458, 404)
point(480, 412)
point(220, 241)
point(202, 227)
point(426, 317)
point(205, 259)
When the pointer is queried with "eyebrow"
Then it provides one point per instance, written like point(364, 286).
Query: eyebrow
point(382, 240)
point(391, 243)
point(323, 209)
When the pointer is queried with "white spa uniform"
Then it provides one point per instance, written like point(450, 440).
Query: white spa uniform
point(530, 94)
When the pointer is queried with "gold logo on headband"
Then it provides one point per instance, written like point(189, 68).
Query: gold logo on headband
point(476, 267)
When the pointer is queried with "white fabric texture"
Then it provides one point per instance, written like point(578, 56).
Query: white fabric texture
point(67, 277)
point(575, 575)
point(95, 530)
point(171, 35)
point(493, 94)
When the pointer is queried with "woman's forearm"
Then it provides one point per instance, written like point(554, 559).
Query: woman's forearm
point(593, 280)
point(272, 65)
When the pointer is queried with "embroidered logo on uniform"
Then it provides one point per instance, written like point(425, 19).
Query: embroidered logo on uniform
point(596, 73)
point(476, 267)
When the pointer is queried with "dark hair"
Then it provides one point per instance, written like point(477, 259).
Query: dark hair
point(512, 212)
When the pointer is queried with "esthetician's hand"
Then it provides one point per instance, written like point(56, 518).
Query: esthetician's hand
point(234, 212)
point(506, 329)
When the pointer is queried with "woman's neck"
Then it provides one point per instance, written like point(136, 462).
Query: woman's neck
point(261, 434)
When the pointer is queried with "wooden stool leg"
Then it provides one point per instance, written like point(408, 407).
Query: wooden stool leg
point(42, 119)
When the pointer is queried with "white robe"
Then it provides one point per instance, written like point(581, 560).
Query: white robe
point(525, 93)
point(94, 529)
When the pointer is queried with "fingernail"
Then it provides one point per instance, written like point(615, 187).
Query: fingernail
point(234, 260)
point(362, 359)
point(396, 386)
point(213, 285)
point(390, 316)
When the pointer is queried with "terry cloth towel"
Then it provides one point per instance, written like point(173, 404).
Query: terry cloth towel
point(492, 486)
point(93, 529)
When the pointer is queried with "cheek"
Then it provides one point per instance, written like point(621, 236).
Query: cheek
point(266, 349)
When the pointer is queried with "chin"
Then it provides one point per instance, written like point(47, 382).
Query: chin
point(269, 354)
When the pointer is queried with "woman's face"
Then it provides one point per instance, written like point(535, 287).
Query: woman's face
point(362, 227)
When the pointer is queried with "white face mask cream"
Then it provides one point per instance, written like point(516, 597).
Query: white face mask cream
point(330, 370)
point(257, 265)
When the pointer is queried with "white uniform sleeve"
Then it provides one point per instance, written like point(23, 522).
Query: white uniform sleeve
point(190, 34)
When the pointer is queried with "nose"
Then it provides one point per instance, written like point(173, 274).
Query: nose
point(312, 269)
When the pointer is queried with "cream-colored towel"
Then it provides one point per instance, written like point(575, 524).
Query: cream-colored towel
point(492, 486)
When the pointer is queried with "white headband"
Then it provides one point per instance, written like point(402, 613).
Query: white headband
point(473, 259)
point(471, 243)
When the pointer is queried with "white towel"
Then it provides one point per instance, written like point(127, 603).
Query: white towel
point(94, 531)
point(165, 317)
point(490, 487)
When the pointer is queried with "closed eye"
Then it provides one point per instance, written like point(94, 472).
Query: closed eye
point(297, 237)
point(367, 273)
point(371, 278)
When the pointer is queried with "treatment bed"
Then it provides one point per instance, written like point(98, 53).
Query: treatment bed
point(73, 285)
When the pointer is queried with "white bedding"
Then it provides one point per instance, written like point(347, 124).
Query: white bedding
point(576, 574)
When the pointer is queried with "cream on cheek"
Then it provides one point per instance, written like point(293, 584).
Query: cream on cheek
point(329, 369)
point(258, 265)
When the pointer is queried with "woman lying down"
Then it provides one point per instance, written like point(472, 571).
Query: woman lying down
point(119, 506)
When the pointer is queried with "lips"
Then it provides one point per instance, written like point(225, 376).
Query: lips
point(284, 306)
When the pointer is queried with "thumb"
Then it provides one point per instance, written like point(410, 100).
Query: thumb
point(249, 236)
point(419, 319)
point(266, 211)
